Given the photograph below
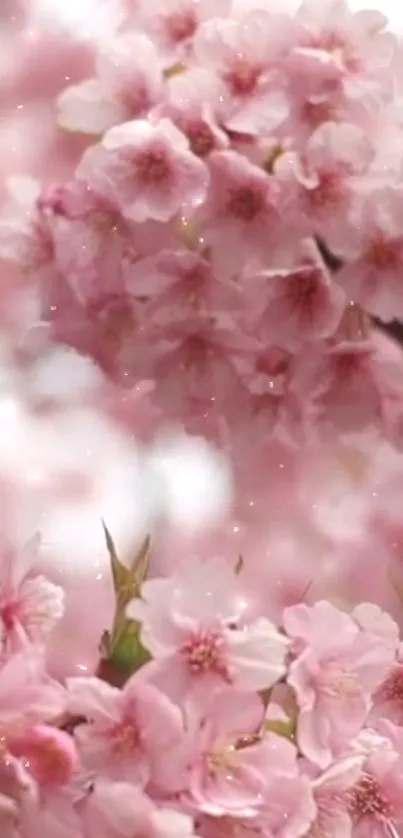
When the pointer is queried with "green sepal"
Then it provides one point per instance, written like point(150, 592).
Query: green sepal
point(122, 652)
point(282, 727)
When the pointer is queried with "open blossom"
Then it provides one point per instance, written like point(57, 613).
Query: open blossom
point(300, 305)
point(343, 383)
point(122, 810)
point(244, 53)
point(326, 178)
point(242, 213)
point(49, 753)
point(193, 624)
point(27, 695)
point(147, 169)
point(30, 605)
point(173, 24)
point(135, 733)
point(331, 789)
point(128, 84)
point(336, 669)
point(241, 772)
point(375, 801)
point(192, 102)
point(373, 249)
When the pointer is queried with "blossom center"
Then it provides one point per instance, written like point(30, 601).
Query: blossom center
point(152, 166)
point(201, 138)
point(181, 25)
point(366, 798)
point(385, 255)
point(337, 683)
point(243, 77)
point(392, 688)
point(245, 203)
point(203, 653)
point(125, 738)
point(328, 192)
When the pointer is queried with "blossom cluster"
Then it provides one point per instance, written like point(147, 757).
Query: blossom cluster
point(234, 222)
point(226, 725)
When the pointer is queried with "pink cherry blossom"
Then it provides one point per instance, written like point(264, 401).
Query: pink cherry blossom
point(122, 810)
point(238, 770)
point(302, 304)
point(172, 24)
point(30, 605)
point(334, 674)
point(27, 695)
point(374, 249)
point(241, 216)
point(128, 731)
point(193, 103)
point(147, 169)
point(329, 173)
point(128, 84)
point(50, 754)
point(327, 377)
point(192, 623)
point(331, 791)
point(244, 53)
point(375, 801)
point(184, 282)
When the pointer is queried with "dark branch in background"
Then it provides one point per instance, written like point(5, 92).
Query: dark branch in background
point(394, 329)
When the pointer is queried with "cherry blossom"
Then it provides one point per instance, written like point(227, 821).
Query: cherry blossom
point(192, 623)
point(129, 83)
point(334, 677)
point(371, 277)
point(30, 605)
point(147, 169)
point(242, 213)
point(125, 730)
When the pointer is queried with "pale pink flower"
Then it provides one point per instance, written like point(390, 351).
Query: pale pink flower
point(50, 754)
point(128, 84)
point(172, 24)
point(241, 216)
point(124, 811)
point(244, 53)
point(340, 45)
point(240, 772)
point(147, 169)
point(342, 383)
point(30, 605)
point(373, 250)
point(193, 624)
point(375, 802)
point(388, 698)
point(25, 236)
point(135, 733)
point(18, 792)
point(27, 695)
point(227, 771)
point(328, 175)
point(181, 282)
point(192, 102)
point(197, 361)
point(302, 304)
point(336, 669)
point(331, 794)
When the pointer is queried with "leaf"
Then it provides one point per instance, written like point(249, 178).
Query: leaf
point(127, 653)
point(127, 581)
point(122, 652)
